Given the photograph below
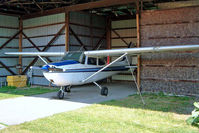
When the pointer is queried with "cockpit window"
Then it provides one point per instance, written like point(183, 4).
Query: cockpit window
point(92, 61)
point(101, 61)
point(96, 61)
point(76, 56)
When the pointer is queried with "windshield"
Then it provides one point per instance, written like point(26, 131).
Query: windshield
point(77, 56)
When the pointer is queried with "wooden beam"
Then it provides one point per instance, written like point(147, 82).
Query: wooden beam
point(9, 27)
point(122, 38)
point(26, 37)
point(91, 29)
point(20, 44)
point(77, 38)
point(54, 38)
point(108, 41)
point(7, 68)
point(2, 46)
point(67, 22)
point(138, 45)
point(45, 48)
point(80, 7)
point(34, 45)
point(100, 40)
point(108, 33)
point(38, 5)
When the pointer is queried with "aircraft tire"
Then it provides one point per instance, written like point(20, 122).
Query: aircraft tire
point(104, 91)
point(60, 94)
point(67, 89)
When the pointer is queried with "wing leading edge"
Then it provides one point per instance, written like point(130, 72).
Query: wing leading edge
point(142, 50)
point(36, 53)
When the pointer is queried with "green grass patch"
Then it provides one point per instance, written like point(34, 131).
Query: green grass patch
point(11, 92)
point(161, 114)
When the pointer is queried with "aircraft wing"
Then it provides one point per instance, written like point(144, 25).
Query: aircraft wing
point(36, 53)
point(141, 50)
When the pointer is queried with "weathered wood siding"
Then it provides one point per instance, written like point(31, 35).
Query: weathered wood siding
point(170, 72)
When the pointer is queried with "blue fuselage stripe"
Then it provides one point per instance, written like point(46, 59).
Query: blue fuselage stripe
point(118, 68)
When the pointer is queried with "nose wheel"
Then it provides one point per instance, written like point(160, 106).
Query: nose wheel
point(60, 93)
point(67, 89)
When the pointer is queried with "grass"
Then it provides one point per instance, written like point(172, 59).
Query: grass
point(12, 92)
point(161, 114)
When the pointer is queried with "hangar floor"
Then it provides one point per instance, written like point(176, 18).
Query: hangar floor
point(18, 110)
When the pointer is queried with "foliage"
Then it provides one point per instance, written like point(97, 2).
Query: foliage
point(194, 119)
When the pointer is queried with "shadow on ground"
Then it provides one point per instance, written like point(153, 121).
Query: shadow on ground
point(157, 102)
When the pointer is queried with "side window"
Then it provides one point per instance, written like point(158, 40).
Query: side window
point(92, 61)
point(101, 61)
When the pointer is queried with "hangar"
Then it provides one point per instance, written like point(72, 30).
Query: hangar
point(71, 25)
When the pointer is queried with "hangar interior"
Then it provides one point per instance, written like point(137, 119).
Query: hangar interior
point(72, 25)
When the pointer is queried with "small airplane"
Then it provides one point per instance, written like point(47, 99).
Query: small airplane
point(78, 68)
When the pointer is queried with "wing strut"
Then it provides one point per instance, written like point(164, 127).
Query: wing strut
point(105, 67)
point(42, 59)
point(138, 88)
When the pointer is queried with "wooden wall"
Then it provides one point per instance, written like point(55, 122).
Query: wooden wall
point(8, 28)
point(170, 72)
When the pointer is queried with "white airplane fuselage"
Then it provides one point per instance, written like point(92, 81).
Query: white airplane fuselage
point(74, 74)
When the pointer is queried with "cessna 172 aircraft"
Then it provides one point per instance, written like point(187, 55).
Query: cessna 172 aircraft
point(77, 68)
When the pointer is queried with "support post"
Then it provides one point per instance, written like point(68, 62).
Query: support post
point(108, 41)
point(138, 43)
point(108, 34)
point(91, 30)
point(67, 19)
point(20, 44)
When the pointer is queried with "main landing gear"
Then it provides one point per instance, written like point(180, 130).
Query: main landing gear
point(60, 93)
point(104, 90)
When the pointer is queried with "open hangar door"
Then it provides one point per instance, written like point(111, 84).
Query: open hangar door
point(48, 33)
point(84, 30)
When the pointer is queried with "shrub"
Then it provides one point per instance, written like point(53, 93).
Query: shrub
point(194, 119)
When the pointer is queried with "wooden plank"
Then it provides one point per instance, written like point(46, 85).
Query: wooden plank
point(9, 40)
point(44, 25)
point(77, 38)
point(108, 33)
point(9, 27)
point(67, 21)
point(99, 41)
point(124, 28)
point(8, 37)
point(34, 45)
point(122, 38)
point(7, 68)
point(82, 35)
point(54, 38)
point(80, 7)
point(138, 44)
point(20, 44)
point(45, 48)
point(168, 65)
point(169, 80)
point(91, 29)
point(88, 26)
point(108, 41)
